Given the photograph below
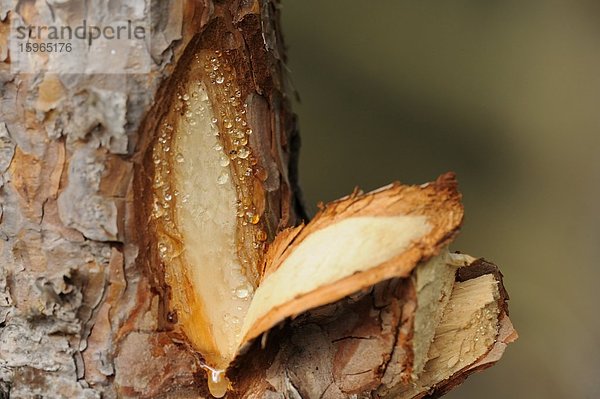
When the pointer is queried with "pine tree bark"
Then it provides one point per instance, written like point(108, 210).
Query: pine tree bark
point(89, 307)
point(81, 312)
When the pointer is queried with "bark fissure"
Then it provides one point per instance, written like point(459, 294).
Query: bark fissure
point(393, 354)
point(352, 337)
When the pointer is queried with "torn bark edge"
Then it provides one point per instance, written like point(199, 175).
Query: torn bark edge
point(278, 349)
point(256, 357)
point(439, 201)
point(506, 332)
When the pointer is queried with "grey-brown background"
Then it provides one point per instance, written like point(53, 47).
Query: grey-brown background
point(505, 93)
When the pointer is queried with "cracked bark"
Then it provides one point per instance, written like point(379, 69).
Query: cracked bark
point(86, 310)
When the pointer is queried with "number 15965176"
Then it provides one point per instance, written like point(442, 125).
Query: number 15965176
point(45, 47)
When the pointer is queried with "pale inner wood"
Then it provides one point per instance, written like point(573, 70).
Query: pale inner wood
point(339, 250)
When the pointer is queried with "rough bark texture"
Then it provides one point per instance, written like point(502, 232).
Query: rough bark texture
point(80, 314)
point(85, 311)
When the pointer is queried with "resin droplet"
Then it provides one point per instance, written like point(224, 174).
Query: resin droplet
point(243, 153)
point(261, 235)
point(179, 158)
point(224, 160)
point(217, 383)
point(162, 247)
point(223, 178)
point(243, 291)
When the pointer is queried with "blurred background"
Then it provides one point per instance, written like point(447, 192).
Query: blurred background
point(505, 93)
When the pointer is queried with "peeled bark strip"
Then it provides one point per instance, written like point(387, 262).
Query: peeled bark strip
point(353, 244)
point(153, 245)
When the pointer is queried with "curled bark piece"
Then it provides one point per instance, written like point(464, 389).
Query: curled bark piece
point(353, 244)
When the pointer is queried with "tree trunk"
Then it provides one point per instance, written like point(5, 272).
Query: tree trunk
point(127, 235)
